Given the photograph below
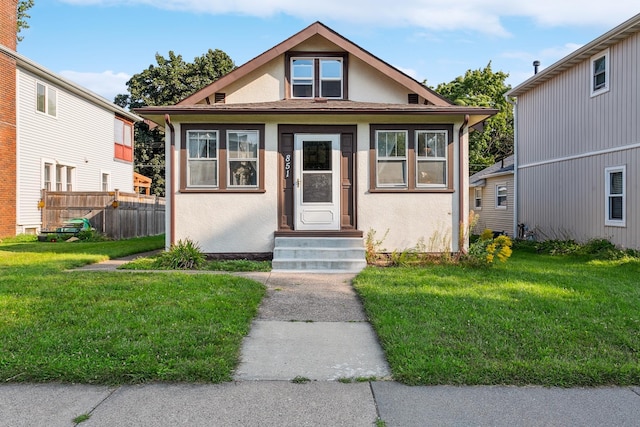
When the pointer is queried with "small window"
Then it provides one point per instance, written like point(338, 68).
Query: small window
point(600, 73)
point(391, 149)
point(501, 197)
point(242, 157)
point(202, 158)
point(318, 77)
point(331, 78)
point(70, 177)
point(615, 189)
point(477, 195)
point(59, 176)
point(105, 183)
point(46, 99)
point(431, 158)
point(47, 174)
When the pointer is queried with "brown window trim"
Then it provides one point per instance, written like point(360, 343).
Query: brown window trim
point(316, 55)
point(222, 157)
point(411, 158)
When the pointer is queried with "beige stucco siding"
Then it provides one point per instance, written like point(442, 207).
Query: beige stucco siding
point(231, 222)
point(365, 86)
point(265, 84)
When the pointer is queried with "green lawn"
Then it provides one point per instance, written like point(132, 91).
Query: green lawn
point(555, 321)
point(116, 328)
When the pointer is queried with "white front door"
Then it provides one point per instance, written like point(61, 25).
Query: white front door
point(317, 181)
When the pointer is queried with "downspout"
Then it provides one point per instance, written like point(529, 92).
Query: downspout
point(170, 171)
point(461, 178)
point(514, 103)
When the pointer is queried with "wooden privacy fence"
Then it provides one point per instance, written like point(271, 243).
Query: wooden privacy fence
point(115, 214)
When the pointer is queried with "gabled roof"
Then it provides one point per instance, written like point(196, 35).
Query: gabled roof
point(503, 167)
point(608, 39)
point(318, 28)
point(44, 73)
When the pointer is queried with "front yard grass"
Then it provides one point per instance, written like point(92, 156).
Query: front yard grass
point(553, 321)
point(108, 328)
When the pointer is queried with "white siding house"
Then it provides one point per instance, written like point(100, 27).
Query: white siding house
point(67, 139)
point(578, 142)
point(315, 138)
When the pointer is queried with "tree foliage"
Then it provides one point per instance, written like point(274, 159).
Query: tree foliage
point(22, 16)
point(167, 83)
point(484, 88)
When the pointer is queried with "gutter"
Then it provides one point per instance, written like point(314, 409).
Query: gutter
point(461, 217)
point(171, 239)
point(514, 103)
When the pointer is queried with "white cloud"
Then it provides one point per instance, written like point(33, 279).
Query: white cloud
point(107, 83)
point(483, 16)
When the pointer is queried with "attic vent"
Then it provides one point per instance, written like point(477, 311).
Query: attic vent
point(220, 97)
point(413, 98)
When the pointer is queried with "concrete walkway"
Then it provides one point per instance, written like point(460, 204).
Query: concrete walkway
point(312, 329)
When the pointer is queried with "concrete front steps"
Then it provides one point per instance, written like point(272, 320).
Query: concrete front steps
point(319, 254)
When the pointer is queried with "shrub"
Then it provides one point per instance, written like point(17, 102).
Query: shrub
point(485, 251)
point(184, 255)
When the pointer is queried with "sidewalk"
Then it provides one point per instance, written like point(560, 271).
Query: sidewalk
point(311, 327)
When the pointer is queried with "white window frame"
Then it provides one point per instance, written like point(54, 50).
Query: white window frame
point(50, 107)
point(231, 177)
point(404, 159)
point(437, 158)
point(332, 79)
point(48, 165)
point(477, 198)
point(608, 196)
point(103, 174)
point(607, 72)
point(303, 80)
point(505, 196)
point(213, 160)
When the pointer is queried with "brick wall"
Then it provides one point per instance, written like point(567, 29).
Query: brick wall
point(8, 120)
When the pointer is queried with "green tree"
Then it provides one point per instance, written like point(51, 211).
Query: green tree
point(167, 83)
point(484, 88)
point(22, 16)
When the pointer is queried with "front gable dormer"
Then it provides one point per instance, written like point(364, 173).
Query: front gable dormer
point(316, 63)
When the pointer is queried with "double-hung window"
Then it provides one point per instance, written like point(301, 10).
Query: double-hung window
point(477, 195)
point(600, 71)
point(123, 136)
point(615, 192)
point(313, 77)
point(222, 158)
point(431, 158)
point(202, 158)
point(242, 158)
point(391, 149)
point(501, 196)
point(47, 176)
point(46, 99)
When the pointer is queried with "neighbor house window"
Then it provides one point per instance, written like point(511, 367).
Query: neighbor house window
point(501, 197)
point(46, 99)
point(59, 176)
point(202, 158)
point(391, 149)
point(70, 177)
point(222, 158)
point(313, 77)
point(600, 71)
point(411, 157)
point(477, 196)
point(123, 136)
point(431, 158)
point(242, 158)
point(47, 174)
point(615, 189)
point(105, 184)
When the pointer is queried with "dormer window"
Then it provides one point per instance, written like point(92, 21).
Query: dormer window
point(313, 77)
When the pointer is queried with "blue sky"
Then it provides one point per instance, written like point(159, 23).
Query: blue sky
point(100, 44)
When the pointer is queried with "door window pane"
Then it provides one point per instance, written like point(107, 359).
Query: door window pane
point(316, 155)
point(317, 188)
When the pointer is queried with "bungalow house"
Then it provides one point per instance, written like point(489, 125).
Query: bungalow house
point(577, 150)
point(54, 135)
point(491, 197)
point(308, 147)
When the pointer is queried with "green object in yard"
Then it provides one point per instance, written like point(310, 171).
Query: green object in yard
point(74, 225)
